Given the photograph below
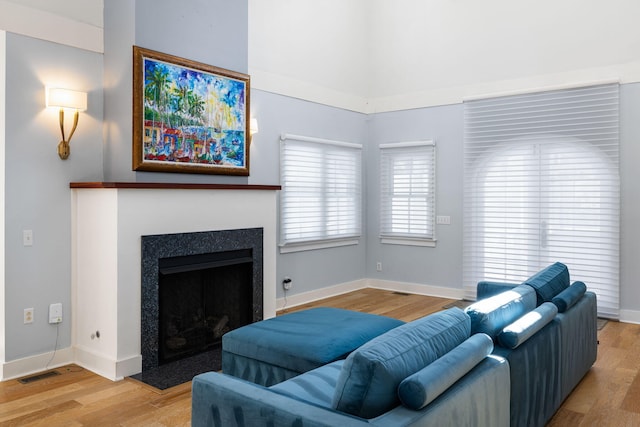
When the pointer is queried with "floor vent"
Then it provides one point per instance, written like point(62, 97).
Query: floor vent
point(38, 377)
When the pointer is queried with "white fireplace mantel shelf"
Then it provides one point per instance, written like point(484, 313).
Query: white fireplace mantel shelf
point(108, 220)
point(172, 185)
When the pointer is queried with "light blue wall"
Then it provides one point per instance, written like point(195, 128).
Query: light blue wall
point(214, 32)
point(277, 114)
point(37, 182)
point(439, 266)
point(37, 195)
point(630, 198)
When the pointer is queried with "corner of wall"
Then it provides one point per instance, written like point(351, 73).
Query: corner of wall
point(3, 75)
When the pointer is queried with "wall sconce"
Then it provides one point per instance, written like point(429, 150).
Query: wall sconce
point(65, 98)
point(253, 126)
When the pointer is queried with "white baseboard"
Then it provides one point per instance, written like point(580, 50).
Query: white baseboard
point(411, 288)
point(35, 364)
point(114, 370)
point(415, 288)
point(306, 297)
point(630, 316)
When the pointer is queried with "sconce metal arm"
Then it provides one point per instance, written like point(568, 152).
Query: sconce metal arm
point(63, 147)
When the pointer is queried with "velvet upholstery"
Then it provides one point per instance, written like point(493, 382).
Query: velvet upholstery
point(486, 289)
point(535, 377)
point(569, 296)
point(522, 329)
point(579, 341)
point(479, 399)
point(316, 386)
point(551, 362)
point(492, 314)
point(367, 385)
point(418, 390)
point(279, 348)
point(549, 281)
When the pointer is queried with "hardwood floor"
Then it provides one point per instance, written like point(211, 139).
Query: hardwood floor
point(609, 395)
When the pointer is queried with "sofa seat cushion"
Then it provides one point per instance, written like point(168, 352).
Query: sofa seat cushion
point(300, 341)
point(524, 328)
point(568, 297)
point(549, 282)
point(492, 314)
point(368, 383)
point(316, 386)
point(418, 390)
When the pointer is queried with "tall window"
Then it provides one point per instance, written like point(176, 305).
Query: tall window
point(320, 202)
point(542, 185)
point(407, 193)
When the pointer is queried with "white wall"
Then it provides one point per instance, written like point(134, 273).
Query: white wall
point(107, 229)
point(419, 53)
point(75, 23)
point(310, 49)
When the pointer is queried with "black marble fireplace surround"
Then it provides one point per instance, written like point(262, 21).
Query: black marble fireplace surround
point(158, 251)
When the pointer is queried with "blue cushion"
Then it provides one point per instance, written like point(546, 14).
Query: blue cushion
point(418, 390)
point(304, 340)
point(316, 386)
point(486, 289)
point(549, 282)
point(368, 383)
point(565, 299)
point(492, 314)
point(523, 328)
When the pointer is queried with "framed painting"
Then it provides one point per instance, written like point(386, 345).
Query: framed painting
point(188, 117)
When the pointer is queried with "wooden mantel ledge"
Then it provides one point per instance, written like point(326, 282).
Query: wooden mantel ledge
point(172, 186)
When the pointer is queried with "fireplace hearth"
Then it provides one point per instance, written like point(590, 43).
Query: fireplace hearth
point(195, 287)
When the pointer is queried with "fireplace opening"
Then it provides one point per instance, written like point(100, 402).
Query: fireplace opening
point(201, 297)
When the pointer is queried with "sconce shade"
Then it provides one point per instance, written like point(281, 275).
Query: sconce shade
point(253, 126)
point(65, 98)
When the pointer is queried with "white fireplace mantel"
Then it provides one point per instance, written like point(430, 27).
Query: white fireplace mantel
point(108, 220)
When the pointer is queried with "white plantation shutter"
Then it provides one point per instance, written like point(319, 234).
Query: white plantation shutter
point(407, 192)
point(542, 185)
point(320, 201)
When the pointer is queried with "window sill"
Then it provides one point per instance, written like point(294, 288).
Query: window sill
point(310, 246)
point(408, 241)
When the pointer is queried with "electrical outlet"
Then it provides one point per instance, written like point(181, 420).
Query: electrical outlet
point(55, 313)
point(378, 266)
point(28, 315)
point(287, 283)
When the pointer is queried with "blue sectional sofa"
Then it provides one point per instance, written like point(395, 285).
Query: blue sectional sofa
point(511, 358)
point(549, 354)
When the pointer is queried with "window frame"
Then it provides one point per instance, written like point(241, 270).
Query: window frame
point(325, 179)
point(396, 152)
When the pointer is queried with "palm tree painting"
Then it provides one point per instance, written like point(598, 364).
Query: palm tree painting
point(189, 117)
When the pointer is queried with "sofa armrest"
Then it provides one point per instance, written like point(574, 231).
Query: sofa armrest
point(222, 400)
point(486, 289)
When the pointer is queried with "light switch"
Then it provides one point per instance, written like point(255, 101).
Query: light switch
point(27, 237)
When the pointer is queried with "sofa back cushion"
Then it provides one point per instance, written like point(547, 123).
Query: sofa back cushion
point(549, 282)
point(492, 314)
point(368, 382)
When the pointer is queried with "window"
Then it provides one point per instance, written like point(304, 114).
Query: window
point(542, 185)
point(407, 193)
point(320, 202)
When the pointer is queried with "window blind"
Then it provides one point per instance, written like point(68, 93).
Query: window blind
point(407, 192)
point(320, 201)
point(542, 185)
